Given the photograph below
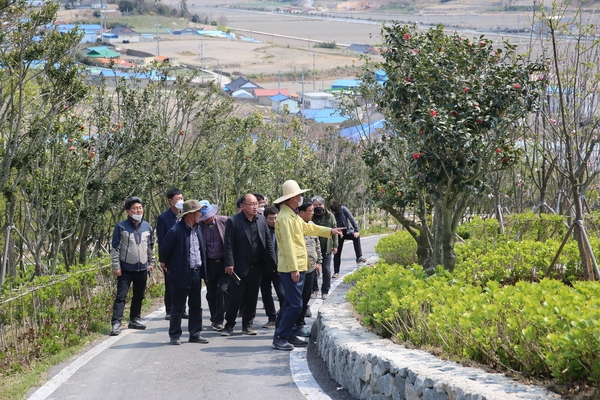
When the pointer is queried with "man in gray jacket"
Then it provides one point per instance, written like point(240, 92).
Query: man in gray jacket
point(132, 258)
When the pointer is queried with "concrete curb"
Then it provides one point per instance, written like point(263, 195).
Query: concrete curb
point(374, 368)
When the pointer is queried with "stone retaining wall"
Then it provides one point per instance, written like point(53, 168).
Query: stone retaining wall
point(374, 368)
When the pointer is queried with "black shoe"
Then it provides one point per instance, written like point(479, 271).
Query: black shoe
point(282, 344)
point(185, 316)
point(176, 342)
point(227, 331)
point(136, 324)
point(116, 329)
point(217, 327)
point(168, 317)
point(296, 341)
point(249, 331)
point(308, 313)
point(198, 339)
point(270, 324)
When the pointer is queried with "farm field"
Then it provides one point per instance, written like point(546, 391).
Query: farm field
point(287, 40)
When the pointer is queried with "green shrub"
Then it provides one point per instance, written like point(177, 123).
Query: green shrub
point(543, 328)
point(538, 227)
point(399, 248)
point(510, 262)
point(479, 228)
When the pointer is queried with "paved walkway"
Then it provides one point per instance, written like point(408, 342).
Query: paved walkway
point(143, 365)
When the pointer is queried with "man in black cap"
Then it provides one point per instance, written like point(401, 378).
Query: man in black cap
point(213, 231)
point(184, 254)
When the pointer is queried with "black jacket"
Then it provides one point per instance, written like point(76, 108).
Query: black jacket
point(238, 250)
point(175, 253)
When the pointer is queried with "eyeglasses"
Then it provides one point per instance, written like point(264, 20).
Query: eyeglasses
point(251, 204)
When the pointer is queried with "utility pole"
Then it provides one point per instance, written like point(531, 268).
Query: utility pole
point(202, 60)
point(302, 87)
point(157, 39)
point(314, 74)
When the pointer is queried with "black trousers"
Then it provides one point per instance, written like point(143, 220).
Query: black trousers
point(193, 296)
point(267, 293)
point(217, 295)
point(326, 273)
point(138, 278)
point(337, 258)
point(168, 294)
point(245, 294)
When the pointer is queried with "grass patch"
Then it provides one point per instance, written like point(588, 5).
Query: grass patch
point(376, 230)
point(15, 387)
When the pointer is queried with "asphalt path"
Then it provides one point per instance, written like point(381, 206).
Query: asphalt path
point(143, 365)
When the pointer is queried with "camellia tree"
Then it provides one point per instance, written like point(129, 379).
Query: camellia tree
point(454, 108)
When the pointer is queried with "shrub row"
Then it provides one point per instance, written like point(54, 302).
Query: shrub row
point(540, 328)
point(51, 313)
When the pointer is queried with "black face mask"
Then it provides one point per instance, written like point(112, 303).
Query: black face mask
point(318, 210)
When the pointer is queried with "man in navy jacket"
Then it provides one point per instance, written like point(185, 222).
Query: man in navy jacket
point(164, 222)
point(184, 255)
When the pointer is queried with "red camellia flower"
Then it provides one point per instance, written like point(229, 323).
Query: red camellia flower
point(406, 36)
point(505, 160)
point(465, 90)
point(475, 105)
point(408, 79)
point(416, 51)
point(416, 156)
point(71, 148)
point(433, 113)
point(454, 113)
point(498, 150)
point(482, 43)
point(421, 133)
point(479, 120)
point(517, 86)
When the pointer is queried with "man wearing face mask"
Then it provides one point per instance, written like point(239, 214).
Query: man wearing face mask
point(329, 246)
point(165, 221)
point(132, 258)
point(293, 262)
point(262, 202)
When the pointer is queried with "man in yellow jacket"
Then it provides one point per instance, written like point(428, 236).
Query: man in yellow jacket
point(292, 261)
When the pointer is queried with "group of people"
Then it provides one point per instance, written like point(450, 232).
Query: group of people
point(260, 247)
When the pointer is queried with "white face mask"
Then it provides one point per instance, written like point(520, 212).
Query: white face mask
point(137, 217)
point(179, 205)
point(261, 210)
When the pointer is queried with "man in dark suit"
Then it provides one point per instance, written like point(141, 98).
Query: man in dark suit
point(217, 281)
point(184, 254)
point(248, 250)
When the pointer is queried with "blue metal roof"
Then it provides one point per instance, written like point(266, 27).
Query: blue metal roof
point(357, 131)
point(326, 116)
point(279, 97)
point(345, 83)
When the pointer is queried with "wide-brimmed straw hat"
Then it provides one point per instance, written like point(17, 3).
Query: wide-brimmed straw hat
point(290, 189)
point(188, 207)
point(208, 210)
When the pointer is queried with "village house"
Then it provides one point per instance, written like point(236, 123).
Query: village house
point(121, 34)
